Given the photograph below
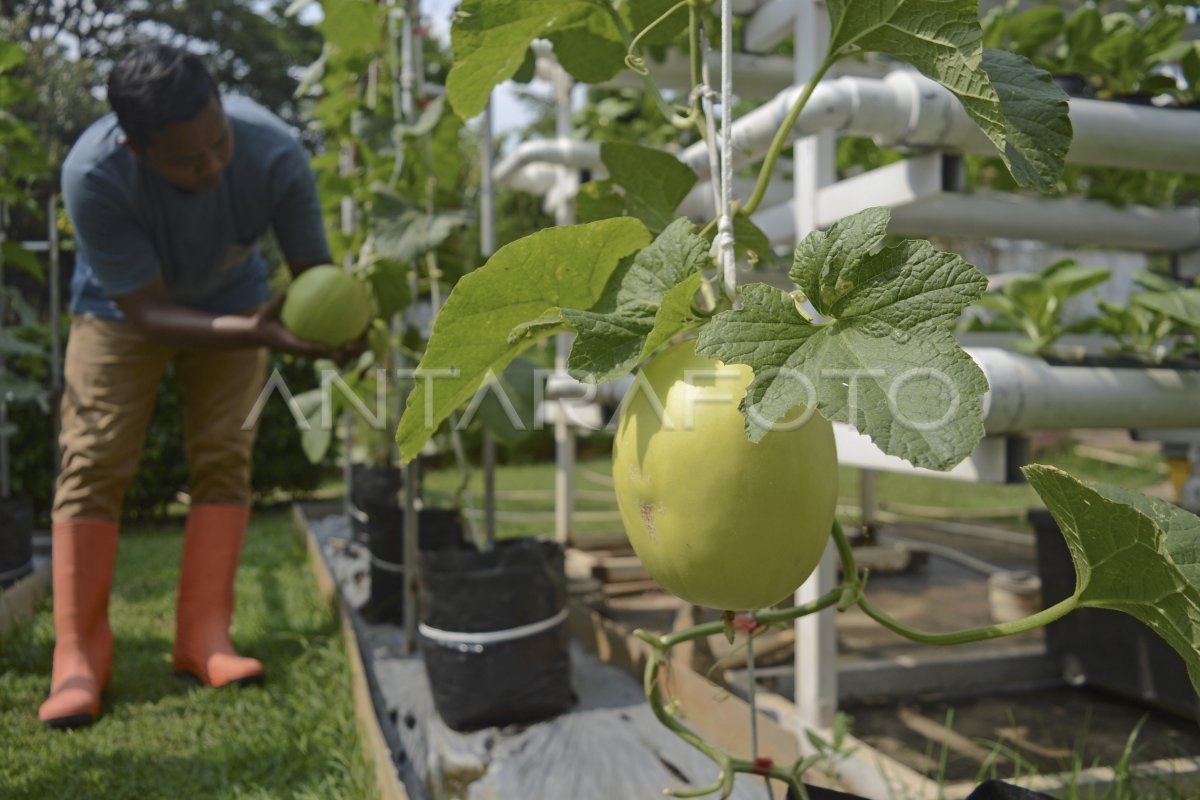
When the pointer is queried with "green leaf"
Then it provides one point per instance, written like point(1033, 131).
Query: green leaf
point(630, 319)
point(590, 49)
point(313, 73)
point(1033, 29)
point(884, 362)
point(491, 39)
point(315, 437)
point(10, 345)
point(12, 55)
point(507, 407)
point(16, 255)
point(1085, 30)
point(1067, 278)
point(655, 182)
point(402, 231)
point(389, 284)
point(1037, 130)
point(352, 26)
point(1132, 554)
point(1181, 305)
point(18, 390)
point(644, 12)
point(943, 40)
point(565, 267)
point(599, 200)
point(749, 241)
point(1155, 282)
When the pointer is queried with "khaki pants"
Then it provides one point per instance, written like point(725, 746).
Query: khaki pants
point(112, 375)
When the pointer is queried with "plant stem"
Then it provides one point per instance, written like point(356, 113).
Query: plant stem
point(769, 617)
point(696, 51)
point(852, 586)
point(781, 137)
point(1029, 623)
point(651, 87)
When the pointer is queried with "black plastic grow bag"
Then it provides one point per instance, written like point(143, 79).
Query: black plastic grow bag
point(440, 528)
point(493, 633)
point(374, 492)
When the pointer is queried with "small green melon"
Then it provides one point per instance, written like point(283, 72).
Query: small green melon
point(328, 306)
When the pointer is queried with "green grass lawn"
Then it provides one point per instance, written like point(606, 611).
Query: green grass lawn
point(159, 737)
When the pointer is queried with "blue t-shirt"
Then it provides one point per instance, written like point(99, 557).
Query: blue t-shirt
point(131, 225)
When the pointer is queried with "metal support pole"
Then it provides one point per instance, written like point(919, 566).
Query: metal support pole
point(564, 436)
point(487, 246)
point(412, 473)
point(53, 283)
point(816, 634)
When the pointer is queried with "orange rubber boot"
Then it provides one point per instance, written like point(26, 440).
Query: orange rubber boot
point(83, 555)
point(211, 549)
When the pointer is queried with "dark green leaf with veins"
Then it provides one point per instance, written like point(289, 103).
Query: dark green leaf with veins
point(884, 359)
point(646, 303)
point(1132, 553)
point(1016, 106)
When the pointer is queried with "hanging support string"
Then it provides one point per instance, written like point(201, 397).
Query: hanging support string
point(725, 244)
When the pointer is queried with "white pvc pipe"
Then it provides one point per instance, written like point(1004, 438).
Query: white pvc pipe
point(562, 151)
point(1026, 394)
point(909, 110)
point(1029, 394)
point(906, 109)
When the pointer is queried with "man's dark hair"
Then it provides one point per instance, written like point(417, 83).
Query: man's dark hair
point(156, 86)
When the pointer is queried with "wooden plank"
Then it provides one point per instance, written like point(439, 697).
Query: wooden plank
point(630, 587)
point(387, 780)
point(17, 602)
point(613, 569)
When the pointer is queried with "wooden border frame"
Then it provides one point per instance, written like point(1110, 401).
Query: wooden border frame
point(387, 780)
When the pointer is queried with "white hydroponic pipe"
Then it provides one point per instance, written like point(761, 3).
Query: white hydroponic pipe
point(563, 151)
point(1060, 220)
point(907, 109)
point(1029, 394)
point(1025, 394)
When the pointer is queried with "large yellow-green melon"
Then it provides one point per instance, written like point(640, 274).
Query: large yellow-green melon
point(715, 519)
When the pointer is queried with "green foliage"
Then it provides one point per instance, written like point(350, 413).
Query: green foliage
point(647, 301)
point(1118, 54)
point(883, 352)
point(651, 184)
point(1017, 107)
point(1035, 304)
point(1164, 310)
point(22, 157)
point(1132, 553)
point(524, 282)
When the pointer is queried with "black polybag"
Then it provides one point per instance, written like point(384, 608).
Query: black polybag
point(440, 528)
point(519, 582)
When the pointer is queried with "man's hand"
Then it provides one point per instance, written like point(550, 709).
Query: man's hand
point(270, 331)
